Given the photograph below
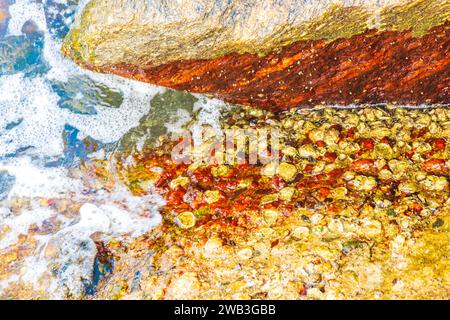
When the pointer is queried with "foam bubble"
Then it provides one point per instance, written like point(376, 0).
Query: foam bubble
point(36, 181)
point(31, 104)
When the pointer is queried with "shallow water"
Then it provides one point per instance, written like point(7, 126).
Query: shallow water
point(55, 118)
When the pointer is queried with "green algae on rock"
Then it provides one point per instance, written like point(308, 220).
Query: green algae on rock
point(82, 95)
point(165, 108)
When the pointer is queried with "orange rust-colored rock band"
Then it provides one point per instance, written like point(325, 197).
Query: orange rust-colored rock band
point(374, 67)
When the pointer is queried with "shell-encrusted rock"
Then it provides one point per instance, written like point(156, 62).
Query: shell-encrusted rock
point(287, 171)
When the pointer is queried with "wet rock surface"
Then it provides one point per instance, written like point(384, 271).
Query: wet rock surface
point(357, 207)
point(300, 54)
point(369, 68)
point(84, 95)
point(153, 33)
point(165, 108)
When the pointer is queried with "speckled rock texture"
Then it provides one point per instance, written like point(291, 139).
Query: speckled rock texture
point(357, 208)
point(273, 54)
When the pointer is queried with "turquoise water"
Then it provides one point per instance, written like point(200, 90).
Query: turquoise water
point(55, 116)
point(23, 57)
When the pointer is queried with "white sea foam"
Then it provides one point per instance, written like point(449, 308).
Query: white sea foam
point(34, 101)
point(22, 11)
point(36, 181)
point(108, 215)
point(22, 223)
point(31, 120)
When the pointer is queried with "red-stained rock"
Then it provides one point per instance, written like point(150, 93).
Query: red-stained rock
point(436, 166)
point(387, 67)
point(364, 166)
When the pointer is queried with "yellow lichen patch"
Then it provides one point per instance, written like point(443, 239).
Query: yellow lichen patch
point(269, 198)
point(269, 170)
point(363, 183)
point(307, 151)
point(220, 171)
point(286, 194)
point(270, 216)
point(419, 16)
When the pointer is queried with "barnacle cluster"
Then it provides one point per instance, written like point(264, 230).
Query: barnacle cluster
point(356, 206)
point(353, 206)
